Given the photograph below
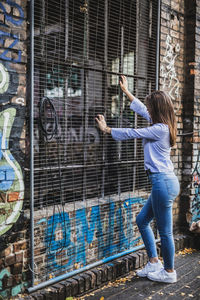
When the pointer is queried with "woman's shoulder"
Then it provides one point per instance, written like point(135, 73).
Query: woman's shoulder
point(161, 127)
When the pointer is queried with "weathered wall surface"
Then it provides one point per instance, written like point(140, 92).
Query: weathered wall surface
point(13, 242)
point(75, 237)
point(172, 76)
point(79, 235)
point(194, 196)
point(179, 75)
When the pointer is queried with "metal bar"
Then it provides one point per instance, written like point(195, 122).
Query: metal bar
point(121, 67)
point(94, 69)
point(32, 138)
point(88, 166)
point(105, 90)
point(86, 91)
point(66, 78)
point(136, 83)
point(42, 30)
point(66, 28)
point(72, 273)
point(158, 46)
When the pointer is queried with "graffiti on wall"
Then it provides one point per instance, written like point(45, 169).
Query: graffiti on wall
point(195, 207)
point(89, 235)
point(11, 39)
point(5, 273)
point(11, 177)
point(193, 216)
point(169, 77)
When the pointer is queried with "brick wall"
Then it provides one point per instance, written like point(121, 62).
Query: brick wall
point(172, 64)
point(86, 226)
point(13, 224)
point(179, 75)
point(84, 234)
point(194, 203)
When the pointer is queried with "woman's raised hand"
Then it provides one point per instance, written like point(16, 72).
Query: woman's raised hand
point(124, 84)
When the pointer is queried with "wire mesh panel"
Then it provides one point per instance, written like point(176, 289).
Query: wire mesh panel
point(88, 188)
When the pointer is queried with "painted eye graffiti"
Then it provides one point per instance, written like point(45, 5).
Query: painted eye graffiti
point(11, 178)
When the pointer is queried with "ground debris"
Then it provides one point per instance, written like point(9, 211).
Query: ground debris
point(186, 251)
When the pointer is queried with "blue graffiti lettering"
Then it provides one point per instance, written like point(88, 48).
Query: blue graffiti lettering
point(87, 231)
point(54, 245)
point(10, 47)
point(9, 18)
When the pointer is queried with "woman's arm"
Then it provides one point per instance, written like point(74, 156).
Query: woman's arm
point(154, 132)
point(140, 109)
point(124, 87)
point(136, 104)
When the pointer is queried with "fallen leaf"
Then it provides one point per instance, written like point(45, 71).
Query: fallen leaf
point(190, 295)
point(187, 286)
point(198, 277)
point(69, 298)
point(149, 297)
point(76, 267)
point(102, 298)
point(171, 294)
point(186, 251)
point(182, 294)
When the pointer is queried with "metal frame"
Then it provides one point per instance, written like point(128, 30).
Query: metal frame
point(158, 46)
point(59, 278)
point(32, 138)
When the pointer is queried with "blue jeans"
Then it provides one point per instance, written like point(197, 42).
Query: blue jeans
point(165, 188)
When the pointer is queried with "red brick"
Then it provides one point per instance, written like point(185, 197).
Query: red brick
point(17, 268)
point(13, 196)
point(19, 246)
point(6, 252)
point(10, 260)
point(19, 257)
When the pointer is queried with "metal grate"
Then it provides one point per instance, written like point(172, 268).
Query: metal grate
point(81, 48)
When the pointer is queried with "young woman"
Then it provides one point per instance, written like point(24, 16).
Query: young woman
point(157, 142)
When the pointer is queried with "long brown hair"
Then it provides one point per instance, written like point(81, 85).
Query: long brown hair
point(161, 110)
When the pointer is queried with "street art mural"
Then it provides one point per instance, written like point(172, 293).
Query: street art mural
point(76, 238)
point(5, 273)
point(4, 79)
point(170, 81)
point(11, 177)
point(193, 216)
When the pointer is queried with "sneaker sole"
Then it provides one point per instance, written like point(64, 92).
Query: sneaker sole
point(164, 281)
point(141, 275)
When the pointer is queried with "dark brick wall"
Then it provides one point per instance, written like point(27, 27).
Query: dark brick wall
point(13, 223)
point(179, 75)
point(172, 77)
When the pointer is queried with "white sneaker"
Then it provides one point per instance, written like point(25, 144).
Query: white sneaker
point(150, 268)
point(163, 276)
